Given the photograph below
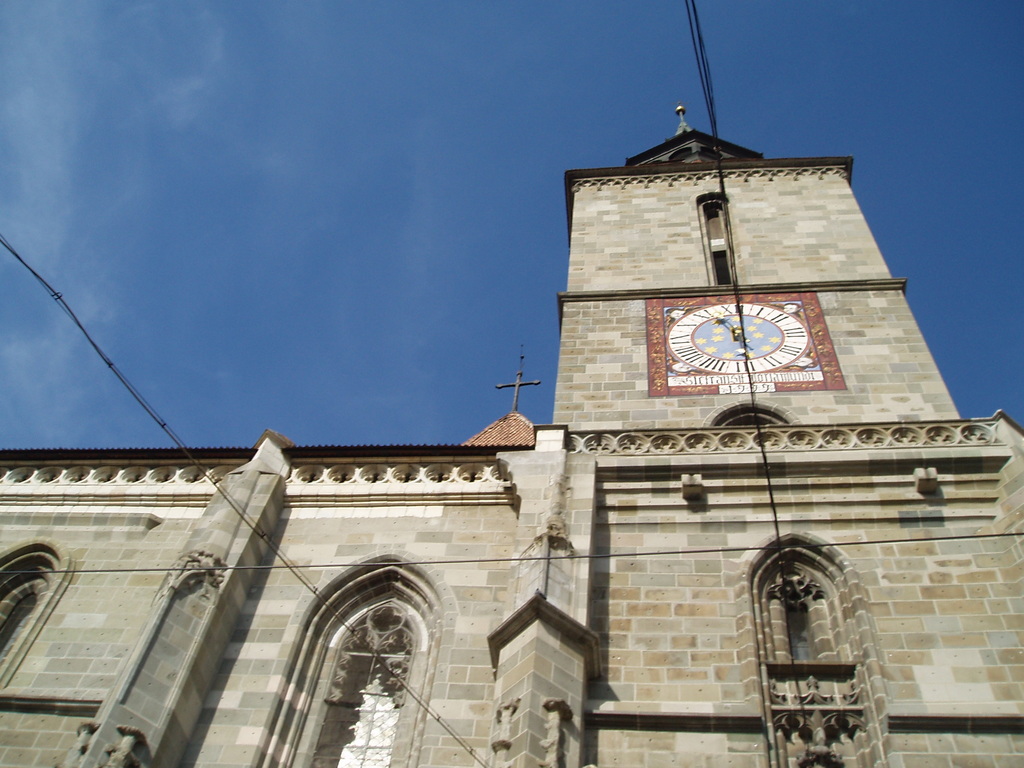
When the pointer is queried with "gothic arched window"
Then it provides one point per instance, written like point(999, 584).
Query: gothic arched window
point(367, 689)
point(748, 416)
point(357, 686)
point(30, 582)
point(810, 645)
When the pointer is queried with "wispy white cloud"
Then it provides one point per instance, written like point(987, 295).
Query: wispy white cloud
point(46, 46)
point(185, 91)
point(40, 407)
point(63, 66)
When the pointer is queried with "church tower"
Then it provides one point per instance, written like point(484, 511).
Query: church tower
point(789, 522)
point(660, 251)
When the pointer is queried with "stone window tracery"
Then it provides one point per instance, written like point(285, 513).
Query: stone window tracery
point(814, 678)
point(797, 603)
point(367, 690)
point(358, 683)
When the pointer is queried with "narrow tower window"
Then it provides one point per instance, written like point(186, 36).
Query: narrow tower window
point(798, 595)
point(714, 213)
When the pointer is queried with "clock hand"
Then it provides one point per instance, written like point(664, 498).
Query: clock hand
point(736, 331)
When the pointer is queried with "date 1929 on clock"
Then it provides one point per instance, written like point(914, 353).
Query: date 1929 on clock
point(714, 345)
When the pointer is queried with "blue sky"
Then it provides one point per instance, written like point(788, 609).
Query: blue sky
point(340, 220)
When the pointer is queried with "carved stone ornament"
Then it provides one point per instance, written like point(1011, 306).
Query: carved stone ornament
point(396, 474)
point(796, 589)
point(197, 567)
point(95, 477)
point(503, 718)
point(122, 755)
point(818, 729)
point(554, 753)
point(810, 693)
point(555, 535)
point(826, 757)
point(701, 177)
point(73, 758)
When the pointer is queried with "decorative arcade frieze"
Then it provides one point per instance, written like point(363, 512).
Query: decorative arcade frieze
point(787, 438)
point(109, 475)
point(401, 474)
point(84, 476)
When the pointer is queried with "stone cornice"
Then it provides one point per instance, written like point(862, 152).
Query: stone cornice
point(698, 173)
point(956, 723)
point(823, 437)
point(697, 178)
point(706, 722)
point(744, 723)
point(49, 705)
point(397, 484)
point(826, 286)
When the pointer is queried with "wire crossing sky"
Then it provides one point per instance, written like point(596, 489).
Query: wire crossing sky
point(341, 220)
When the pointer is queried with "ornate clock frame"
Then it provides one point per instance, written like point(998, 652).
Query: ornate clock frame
point(798, 356)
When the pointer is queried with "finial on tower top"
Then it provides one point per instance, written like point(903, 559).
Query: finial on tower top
point(683, 125)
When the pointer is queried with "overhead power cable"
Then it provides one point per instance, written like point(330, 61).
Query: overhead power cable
point(599, 556)
point(703, 66)
point(784, 560)
point(235, 506)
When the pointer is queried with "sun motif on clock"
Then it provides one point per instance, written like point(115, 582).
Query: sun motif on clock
point(714, 345)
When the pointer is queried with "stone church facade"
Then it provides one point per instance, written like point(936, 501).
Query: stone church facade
point(757, 534)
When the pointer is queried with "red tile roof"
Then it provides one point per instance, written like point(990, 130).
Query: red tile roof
point(513, 429)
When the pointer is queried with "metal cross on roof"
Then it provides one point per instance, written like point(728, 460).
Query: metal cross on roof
point(517, 383)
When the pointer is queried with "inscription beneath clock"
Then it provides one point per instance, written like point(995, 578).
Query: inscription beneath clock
point(764, 343)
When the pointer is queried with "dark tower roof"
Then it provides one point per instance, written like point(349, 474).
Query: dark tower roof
point(692, 146)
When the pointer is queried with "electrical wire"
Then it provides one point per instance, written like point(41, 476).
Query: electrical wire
point(784, 560)
point(575, 556)
point(703, 65)
point(232, 503)
point(704, 71)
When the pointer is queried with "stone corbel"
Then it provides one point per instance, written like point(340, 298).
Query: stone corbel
point(820, 757)
point(693, 487)
point(926, 480)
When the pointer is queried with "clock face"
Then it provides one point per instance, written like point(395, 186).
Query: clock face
point(721, 339)
point(714, 345)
